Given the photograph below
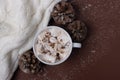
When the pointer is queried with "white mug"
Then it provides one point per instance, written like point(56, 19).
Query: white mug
point(73, 45)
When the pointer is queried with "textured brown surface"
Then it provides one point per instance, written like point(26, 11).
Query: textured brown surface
point(99, 58)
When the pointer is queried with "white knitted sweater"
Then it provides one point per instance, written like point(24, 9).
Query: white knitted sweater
point(20, 20)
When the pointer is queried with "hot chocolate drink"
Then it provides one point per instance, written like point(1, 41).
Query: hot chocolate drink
point(53, 45)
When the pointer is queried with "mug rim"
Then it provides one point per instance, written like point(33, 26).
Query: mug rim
point(62, 60)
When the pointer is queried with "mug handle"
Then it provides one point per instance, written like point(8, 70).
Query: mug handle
point(77, 45)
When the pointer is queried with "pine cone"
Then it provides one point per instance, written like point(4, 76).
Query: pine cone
point(28, 63)
point(63, 13)
point(77, 30)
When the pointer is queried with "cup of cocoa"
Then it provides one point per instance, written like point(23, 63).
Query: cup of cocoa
point(53, 45)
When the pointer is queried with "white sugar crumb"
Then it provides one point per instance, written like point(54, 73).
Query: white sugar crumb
point(89, 5)
point(93, 51)
point(86, 7)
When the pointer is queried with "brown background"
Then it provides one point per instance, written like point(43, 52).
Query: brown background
point(99, 57)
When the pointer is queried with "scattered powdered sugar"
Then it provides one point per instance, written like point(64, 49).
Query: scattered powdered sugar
point(86, 6)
